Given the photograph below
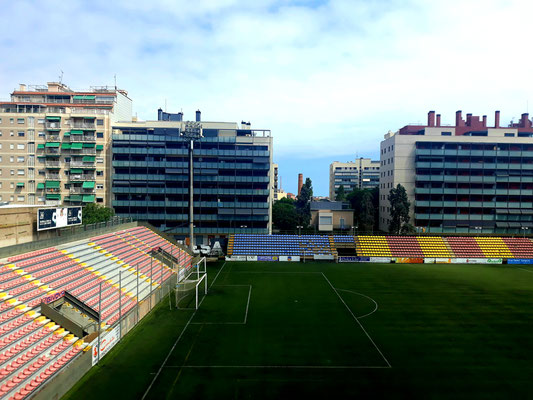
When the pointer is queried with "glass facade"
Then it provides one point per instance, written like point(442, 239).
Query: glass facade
point(232, 191)
point(474, 187)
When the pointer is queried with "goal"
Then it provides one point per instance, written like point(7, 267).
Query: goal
point(192, 288)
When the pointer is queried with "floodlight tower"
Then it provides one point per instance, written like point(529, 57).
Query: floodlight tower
point(192, 131)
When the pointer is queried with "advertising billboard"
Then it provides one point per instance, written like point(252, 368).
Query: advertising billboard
point(53, 218)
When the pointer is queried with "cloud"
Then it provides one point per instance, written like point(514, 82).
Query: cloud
point(326, 76)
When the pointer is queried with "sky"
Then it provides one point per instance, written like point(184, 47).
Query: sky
point(328, 78)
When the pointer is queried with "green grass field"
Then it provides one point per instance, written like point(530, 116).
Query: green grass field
point(319, 330)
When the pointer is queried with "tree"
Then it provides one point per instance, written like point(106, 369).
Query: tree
point(93, 213)
point(284, 216)
point(399, 210)
point(363, 203)
point(367, 212)
point(341, 194)
point(303, 203)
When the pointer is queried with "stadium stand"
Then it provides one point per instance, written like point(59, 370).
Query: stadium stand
point(434, 246)
point(33, 348)
point(381, 246)
point(404, 246)
point(373, 246)
point(519, 247)
point(280, 245)
point(465, 247)
point(493, 247)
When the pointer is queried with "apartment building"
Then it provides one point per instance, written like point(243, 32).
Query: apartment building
point(363, 173)
point(233, 176)
point(54, 143)
point(466, 178)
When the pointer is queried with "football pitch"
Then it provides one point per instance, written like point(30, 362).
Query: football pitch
point(316, 330)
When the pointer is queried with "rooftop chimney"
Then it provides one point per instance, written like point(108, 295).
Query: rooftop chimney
point(180, 116)
point(497, 119)
point(525, 121)
point(458, 118)
point(300, 183)
point(198, 115)
point(159, 114)
point(438, 119)
point(22, 87)
point(431, 118)
point(469, 119)
point(484, 121)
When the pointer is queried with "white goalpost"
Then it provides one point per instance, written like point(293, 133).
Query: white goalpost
point(192, 288)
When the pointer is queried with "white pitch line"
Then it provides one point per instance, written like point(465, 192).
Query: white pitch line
point(248, 305)
point(283, 366)
point(523, 269)
point(364, 295)
point(355, 318)
point(275, 272)
point(179, 337)
point(230, 323)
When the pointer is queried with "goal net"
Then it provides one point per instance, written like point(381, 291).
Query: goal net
point(192, 288)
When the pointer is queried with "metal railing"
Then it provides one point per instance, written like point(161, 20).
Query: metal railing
point(82, 125)
point(82, 138)
point(81, 164)
point(80, 190)
point(52, 125)
point(75, 178)
point(50, 163)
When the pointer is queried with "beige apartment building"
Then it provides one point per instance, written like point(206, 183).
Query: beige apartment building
point(363, 173)
point(55, 144)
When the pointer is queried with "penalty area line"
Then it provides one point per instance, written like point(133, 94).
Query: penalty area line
point(357, 320)
point(283, 366)
point(179, 337)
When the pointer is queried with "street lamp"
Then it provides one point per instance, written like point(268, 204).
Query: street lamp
point(244, 226)
point(524, 228)
point(299, 230)
point(192, 131)
point(478, 228)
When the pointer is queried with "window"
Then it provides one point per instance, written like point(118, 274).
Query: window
point(67, 159)
point(325, 220)
point(40, 121)
point(99, 173)
point(20, 120)
point(99, 199)
point(100, 160)
point(11, 133)
point(507, 134)
point(99, 187)
point(99, 135)
point(40, 134)
point(100, 122)
point(11, 146)
point(446, 134)
point(11, 198)
point(20, 146)
point(11, 159)
point(0, 185)
point(20, 198)
point(0, 120)
point(0, 133)
point(20, 159)
point(12, 185)
point(21, 172)
point(11, 120)
point(21, 134)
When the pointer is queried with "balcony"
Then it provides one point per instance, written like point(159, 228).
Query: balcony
point(81, 190)
point(52, 164)
point(52, 126)
point(82, 138)
point(81, 164)
point(53, 137)
point(53, 177)
point(51, 151)
point(81, 177)
point(83, 126)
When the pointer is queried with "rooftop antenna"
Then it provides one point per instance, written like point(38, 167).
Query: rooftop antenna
point(115, 76)
point(61, 77)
